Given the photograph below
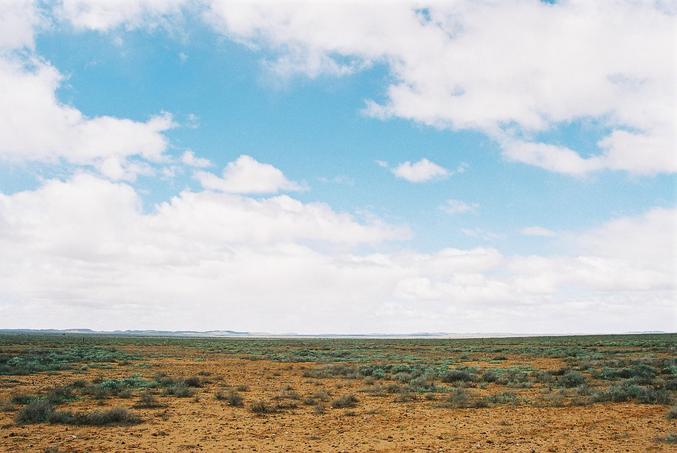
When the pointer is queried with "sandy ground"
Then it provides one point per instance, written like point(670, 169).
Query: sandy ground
point(378, 423)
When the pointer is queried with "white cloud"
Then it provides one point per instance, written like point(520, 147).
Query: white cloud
point(543, 65)
point(626, 254)
point(420, 171)
point(18, 19)
point(189, 158)
point(537, 231)
point(247, 175)
point(104, 15)
point(84, 252)
point(36, 127)
point(452, 206)
point(647, 241)
point(551, 157)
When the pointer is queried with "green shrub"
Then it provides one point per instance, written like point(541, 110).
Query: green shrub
point(6, 406)
point(462, 399)
point(78, 384)
point(288, 393)
point(640, 373)
point(422, 384)
point(515, 377)
point(405, 397)
point(633, 392)
point(571, 379)
point(345, 401)
point(671, 384)
point(180, 390)
point(672, 413)
point(544, 377)
point(643, 373)
point(114, 416)
point(341, 370)
point(148, 401)
point(193, 381)
point(232, 398)
point(163, 380)
point(502, 398)
point(37, 411)
point(260, 407)
point(22, 398)
point(453, 376)
point(58, 395)
point(321, 395)
point(671, 438)
point(459, 398)
point(489, 376)
point(50, 359)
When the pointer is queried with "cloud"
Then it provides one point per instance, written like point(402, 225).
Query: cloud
point(104, 15)
point(36, 127)
point(85, 252)
point(543, 65)
point(189, 158)
point(654, 245)
point(634, 253)
point(247, 175)
point(421, 171)
point(18, 20)
point(452, 206)
point(537, 231)
point(551, 157)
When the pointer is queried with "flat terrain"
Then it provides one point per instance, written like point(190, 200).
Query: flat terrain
point(63, 393)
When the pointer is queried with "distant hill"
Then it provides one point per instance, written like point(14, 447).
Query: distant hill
point(143, 333)
point(234, 333)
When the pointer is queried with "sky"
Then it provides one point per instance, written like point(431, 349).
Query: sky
point(339, 167)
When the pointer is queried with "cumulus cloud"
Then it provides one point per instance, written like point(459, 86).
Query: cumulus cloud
point(36, 127)
point(420, 171)
point(18, 20)
point(453, 206)
point(247, 175)
point(543, 65)
point(85, 252)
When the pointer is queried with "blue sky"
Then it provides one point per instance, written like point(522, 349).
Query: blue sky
point(227, 82)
